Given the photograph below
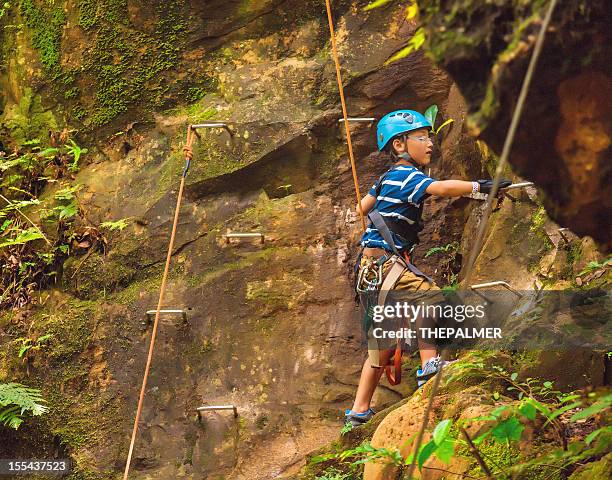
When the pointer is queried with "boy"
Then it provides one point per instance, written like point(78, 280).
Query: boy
point(398, 196)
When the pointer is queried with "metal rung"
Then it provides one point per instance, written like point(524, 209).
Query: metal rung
point(495, 284)
point(216, 407)
point(562, 234)
point(150, 313)
point(358, 119)
point(519, 185)
point(484, 196)
point(227, 236)
point(212, 125)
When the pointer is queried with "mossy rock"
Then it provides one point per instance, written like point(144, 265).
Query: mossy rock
point(96, 275)
point(594, 470)
point(28, 119)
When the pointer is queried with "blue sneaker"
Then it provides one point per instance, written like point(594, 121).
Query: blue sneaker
point(355, 419)
point(431, 367)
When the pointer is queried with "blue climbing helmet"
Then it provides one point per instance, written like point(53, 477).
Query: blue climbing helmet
point(396, 123)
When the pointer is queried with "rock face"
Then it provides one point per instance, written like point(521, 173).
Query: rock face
point(271, 327)
point(564, 139)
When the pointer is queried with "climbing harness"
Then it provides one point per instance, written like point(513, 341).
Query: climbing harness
point(516, 116)
point(375, 287)
point(191, 132)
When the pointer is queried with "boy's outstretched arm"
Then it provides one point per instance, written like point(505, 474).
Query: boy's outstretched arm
point(450, 188)
point(367, 203)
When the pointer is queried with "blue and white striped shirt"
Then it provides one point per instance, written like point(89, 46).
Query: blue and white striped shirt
point(402, 190)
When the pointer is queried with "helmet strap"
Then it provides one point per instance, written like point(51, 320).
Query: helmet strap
point(404, 155)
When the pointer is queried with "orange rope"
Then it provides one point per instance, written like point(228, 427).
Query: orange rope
point(344, 114)
point(159, 306)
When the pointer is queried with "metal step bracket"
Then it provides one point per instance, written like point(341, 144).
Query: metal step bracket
point(358, 120)
point(223, 125)
point(562, 231)
point(228, 236)
point(213, 408)
point(496, 283)
point(151, 313)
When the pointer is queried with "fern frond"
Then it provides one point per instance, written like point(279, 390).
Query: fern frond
point(17, 400)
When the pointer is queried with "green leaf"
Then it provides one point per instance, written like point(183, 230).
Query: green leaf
point(540, 406)
point(24, 348)
point(591, 436)
point(24, 236)
point(447, 122)
point(413, 45)
point(562, 410)
point(412, 10)
point(514, 376)
point(499, 410)
point(49, 152)
point(547, 385)
point(446, 450)
point(441, 431)
point(528, 411)
point(430, 114)
point(426, 451)
point(375, 4)
point(496, 395)
point(67, 193)
point(117, 225)
point(594, 409)
point(509, 429)
point(479, 439)
point(68, 211)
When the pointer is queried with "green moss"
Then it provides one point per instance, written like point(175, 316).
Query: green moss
point(599, 469)
point(124, 68)
point(574, 252)
point(46, 22)
point(71, 328)
point(97, 275)
point(250, 259)
point(28, 119)
point(88, 10)
point(538, 220)
point(497, 455)
point(212, 160)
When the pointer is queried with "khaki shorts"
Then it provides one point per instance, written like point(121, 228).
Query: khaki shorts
point(408, 282)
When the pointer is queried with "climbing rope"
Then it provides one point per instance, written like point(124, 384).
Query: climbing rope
point(344, 113)
point(475, 251)
point(190, 134)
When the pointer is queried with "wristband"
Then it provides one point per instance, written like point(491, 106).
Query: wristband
point(475, 187)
